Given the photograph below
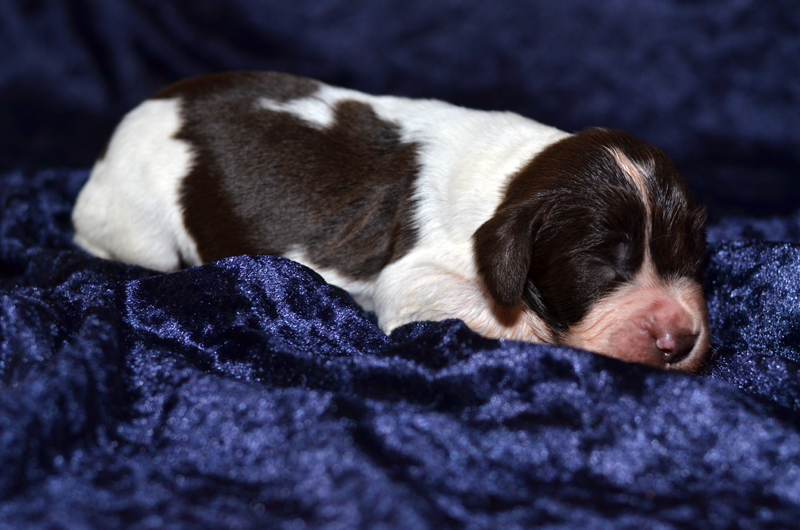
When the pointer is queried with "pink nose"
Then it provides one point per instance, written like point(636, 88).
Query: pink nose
point(671, 330)
point(676, 346)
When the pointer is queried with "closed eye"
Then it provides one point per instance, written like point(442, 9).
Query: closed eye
point(623, 260)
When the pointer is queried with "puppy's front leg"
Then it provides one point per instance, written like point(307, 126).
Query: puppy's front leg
point(432, 293)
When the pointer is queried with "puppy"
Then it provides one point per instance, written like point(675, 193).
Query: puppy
point(420, 209)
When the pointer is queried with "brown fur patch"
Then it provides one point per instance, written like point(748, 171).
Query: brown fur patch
point(267, 182)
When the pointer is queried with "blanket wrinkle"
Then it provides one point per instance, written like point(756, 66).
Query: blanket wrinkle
point(251, 388)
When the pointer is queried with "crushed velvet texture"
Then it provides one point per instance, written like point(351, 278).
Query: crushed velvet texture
point(249, 394)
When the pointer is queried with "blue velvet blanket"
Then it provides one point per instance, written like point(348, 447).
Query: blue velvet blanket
point(248, 393)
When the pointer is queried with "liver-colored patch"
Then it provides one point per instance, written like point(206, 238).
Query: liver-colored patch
point(266, 182)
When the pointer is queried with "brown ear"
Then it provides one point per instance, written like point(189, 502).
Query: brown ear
point(503, 248)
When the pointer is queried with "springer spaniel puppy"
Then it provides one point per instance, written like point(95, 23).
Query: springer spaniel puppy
point(420, 209)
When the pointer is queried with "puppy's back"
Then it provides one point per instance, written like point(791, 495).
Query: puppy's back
point(212, 167)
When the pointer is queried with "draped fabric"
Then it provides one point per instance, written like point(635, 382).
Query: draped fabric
point(247, 393)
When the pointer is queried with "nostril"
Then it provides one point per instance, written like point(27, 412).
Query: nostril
point(676, 346)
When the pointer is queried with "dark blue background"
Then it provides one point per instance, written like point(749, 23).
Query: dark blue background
point(249, 394)
point(715, 84)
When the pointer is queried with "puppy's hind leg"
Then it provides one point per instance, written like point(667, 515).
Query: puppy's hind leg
point(129, 210)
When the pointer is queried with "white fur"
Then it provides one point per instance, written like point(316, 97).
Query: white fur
point(128, 210)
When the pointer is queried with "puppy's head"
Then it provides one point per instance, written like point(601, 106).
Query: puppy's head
point(599, 237)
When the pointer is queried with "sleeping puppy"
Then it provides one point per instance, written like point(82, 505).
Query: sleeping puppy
point(420, 209)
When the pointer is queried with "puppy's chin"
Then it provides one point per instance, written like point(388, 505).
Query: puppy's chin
point(649, 322)
point(514, 323)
